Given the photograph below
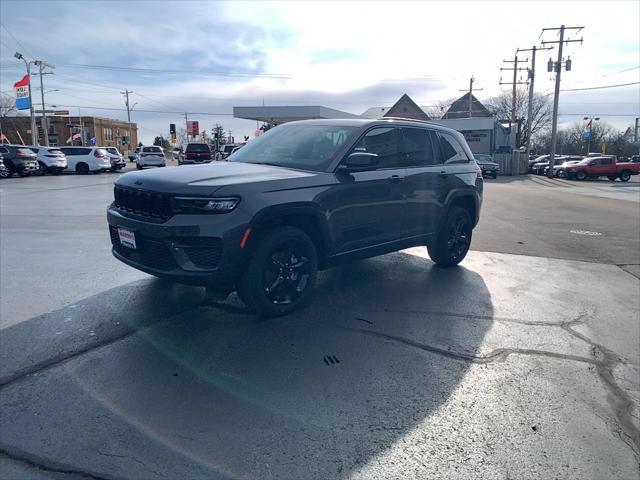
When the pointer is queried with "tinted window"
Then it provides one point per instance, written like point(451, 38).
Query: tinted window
point(76, 151)
point(33, 149)
point(418, 147)
point(303, 146)
point(198, 147)
point(112, 150)
point(385, 143)
point(3, 150)
point(152, 149)
point(451, 150)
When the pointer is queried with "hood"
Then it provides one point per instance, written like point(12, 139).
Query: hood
point(207, 178)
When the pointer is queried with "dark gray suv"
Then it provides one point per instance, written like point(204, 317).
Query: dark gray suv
point(305, 196)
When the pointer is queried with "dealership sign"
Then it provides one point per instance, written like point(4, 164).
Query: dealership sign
point(21, 92)
point(193, 128)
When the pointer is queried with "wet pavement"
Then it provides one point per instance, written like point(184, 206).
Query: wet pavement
point(510, 366)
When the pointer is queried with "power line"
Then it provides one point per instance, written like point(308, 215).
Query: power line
point(621, 71)
point(598, 88)
point(16, 40)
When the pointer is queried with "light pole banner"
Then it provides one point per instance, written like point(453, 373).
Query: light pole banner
point(21, 91)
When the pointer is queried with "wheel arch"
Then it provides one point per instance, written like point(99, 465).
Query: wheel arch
point(307, 217)
point(467, 200)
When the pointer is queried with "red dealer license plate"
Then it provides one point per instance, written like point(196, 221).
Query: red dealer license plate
point(127, 238)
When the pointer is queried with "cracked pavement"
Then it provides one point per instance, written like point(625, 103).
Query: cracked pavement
point(511, 366)
point(440, 376)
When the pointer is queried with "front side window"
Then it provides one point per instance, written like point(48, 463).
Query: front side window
point(418, 147)
point(384, 142)
point(451, 150)
point(305, 147)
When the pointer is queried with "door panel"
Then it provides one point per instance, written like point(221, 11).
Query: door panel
point(366, 208)
point(425, 185)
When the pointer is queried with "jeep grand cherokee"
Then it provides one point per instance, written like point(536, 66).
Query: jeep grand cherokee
point(303, 197)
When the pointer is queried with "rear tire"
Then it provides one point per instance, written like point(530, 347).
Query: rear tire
point(82, 168)
point(281, 272)
point(42, 169)
point(625, 176)
point(581, 175)
point(454, 238)
point(5, 173)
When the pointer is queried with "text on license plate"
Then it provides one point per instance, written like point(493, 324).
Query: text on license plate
point(127, 238)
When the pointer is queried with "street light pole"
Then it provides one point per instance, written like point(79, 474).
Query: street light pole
point(591, 120)
point(34, 132)
point(45, 133)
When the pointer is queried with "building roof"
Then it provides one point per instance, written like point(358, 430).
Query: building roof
point(375, 112)
point(460, 108)
point(405, 107)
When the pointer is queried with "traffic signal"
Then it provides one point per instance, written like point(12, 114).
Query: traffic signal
point(172, 128)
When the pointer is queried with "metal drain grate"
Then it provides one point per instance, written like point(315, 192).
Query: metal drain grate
point(331, 360)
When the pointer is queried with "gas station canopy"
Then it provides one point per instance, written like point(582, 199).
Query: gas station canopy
point(283, 114)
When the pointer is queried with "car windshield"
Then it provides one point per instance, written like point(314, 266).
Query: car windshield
point(198, 147)
point(112, 150)
point(305, 147)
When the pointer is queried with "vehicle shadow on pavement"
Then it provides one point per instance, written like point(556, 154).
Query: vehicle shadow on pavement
point(220, 392)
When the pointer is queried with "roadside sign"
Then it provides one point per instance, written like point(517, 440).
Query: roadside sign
point(193, 128)
point(43, 111)
point(61, 112)
point(21, 92)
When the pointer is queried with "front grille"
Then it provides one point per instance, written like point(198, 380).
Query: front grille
point(153, 205)
point(203, 252)
point(149, 253)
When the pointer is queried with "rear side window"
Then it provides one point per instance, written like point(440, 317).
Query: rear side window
point(152, 149)
point(451, 150)
point(418, 147)
point(385, 143)
point(198, 147)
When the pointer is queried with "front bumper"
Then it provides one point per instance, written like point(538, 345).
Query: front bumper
point(192, 249)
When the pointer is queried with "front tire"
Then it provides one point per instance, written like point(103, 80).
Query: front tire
point(625, 176)
point(581, 175)
point(454, 239)
point(281, 272)
point(82, 168)
point(42, 169)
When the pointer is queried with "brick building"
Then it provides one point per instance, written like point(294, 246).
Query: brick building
point(108, 132)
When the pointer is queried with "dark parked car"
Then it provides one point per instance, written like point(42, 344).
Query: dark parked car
point(487, 165)
point(302, 197)
point(4, 171)
point(19, 159)
point(196, 153)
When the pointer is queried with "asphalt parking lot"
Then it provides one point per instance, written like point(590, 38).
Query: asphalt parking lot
point(522, 363)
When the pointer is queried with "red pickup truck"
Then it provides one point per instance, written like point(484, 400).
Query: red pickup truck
point(605, 166)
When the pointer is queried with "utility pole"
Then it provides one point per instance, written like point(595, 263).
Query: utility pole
point(515, 82)
point(532, 75)
point(556, 95)
point(45, 130)
point(471, 80)
point(126, 102)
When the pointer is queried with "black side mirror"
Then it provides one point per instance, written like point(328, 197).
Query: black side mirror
point(360, 161)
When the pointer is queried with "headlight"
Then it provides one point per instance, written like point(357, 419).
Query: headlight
point(204, 205)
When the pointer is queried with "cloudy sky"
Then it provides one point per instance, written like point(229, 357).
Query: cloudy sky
point(205, 57)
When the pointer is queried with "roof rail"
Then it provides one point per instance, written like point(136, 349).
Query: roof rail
point(407, 120)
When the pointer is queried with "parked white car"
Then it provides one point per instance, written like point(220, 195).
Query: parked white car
point(117, 160)
point(50, 160)
point(86, 159)
point(152, 156)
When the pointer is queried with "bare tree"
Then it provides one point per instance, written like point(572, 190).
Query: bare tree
point(7, 106)
point(439, 108)
point(541, 113)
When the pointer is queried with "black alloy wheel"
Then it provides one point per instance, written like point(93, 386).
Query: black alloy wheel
point(281, 272)
point(454, 239)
